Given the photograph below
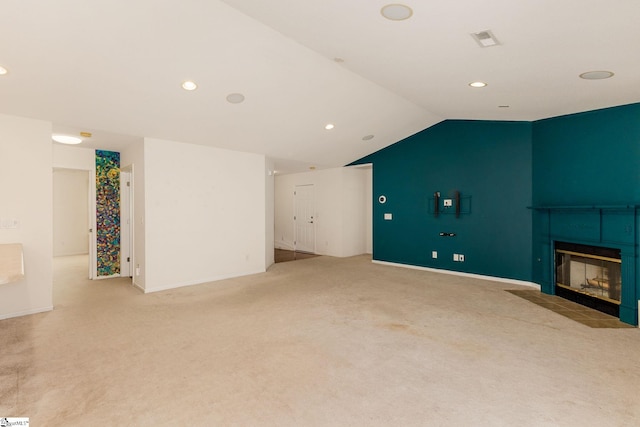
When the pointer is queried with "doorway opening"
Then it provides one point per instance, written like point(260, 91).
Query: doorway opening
point(72, 215)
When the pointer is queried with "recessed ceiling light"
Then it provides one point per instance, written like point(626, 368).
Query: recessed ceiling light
point(367, 137)
point(3, 71)
point(477, 84)
point(189, 85)
point(66, 139)
point(338, 60)
point(235, 98)
point(312, 168)
point(86, 134)
point(329, 126)
point(596, 75)
point(396, 12)
point(503, 106)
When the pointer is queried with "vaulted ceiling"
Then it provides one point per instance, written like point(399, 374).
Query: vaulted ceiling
point(115, 68)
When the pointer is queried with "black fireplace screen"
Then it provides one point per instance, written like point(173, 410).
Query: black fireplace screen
point(589, 270)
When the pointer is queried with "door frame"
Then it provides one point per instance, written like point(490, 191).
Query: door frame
point(126, 221)
point(295, 217)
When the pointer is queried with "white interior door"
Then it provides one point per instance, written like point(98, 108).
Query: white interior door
point(304, 219)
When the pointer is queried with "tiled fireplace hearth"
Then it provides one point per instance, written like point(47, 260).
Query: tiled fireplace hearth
point(589, 254)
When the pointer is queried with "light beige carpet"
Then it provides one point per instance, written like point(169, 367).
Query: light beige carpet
point(317, 342)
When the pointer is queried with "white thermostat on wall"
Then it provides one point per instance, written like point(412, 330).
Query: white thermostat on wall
point(382, 199)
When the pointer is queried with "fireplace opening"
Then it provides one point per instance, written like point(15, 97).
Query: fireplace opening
point(589, 275)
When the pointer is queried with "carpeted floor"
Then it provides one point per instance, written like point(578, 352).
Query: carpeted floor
point(317, 342)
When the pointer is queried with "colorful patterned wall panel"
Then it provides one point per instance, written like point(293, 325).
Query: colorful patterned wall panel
point(108, 212)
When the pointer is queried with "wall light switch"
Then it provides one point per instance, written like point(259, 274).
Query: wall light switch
point(434, 254)
point(388, 216)
point(448, 202)
point(456, 257)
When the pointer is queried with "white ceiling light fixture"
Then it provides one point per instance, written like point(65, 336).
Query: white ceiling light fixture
point(477, 84)
point(485, 38)
point(396, 12)
point(3, 71)
point(596, 75)
point(66, 139)
point(235, 98)
point(329, 126)
point(189, 85)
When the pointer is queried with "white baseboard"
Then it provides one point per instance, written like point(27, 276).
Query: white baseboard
point(113, 276)
point(26, 312)
point(459, 273)
point(148, 290)
point(135, 285)
point(287, 246)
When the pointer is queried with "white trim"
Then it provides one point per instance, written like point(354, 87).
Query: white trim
point(113, 276)
point(137, 286)
point(458, 273)
point(26, 312)
point(199, 282)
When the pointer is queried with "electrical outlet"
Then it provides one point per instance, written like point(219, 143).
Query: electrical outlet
point(434, 254)
point(461, 258)
point(456, 257)
point(448, 202)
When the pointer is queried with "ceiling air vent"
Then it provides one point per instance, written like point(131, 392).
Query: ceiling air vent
point(485, 38)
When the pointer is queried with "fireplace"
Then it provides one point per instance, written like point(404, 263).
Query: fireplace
point(589, 254)
point(589, 275)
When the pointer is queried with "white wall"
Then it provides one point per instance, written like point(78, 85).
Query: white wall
point(269, 212)
point(27, 196)
point(74, 157)
point(70, 212)
point(354, 221)
point(205, 214)
point(369, 208)
point(340, 205)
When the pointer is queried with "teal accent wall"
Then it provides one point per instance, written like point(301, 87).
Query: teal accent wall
point(582, 160)
point(489, 162)
point(580, 171)
point(588, 158)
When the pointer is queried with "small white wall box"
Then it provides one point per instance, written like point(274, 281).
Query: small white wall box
point(388, 216)
point(448, 202)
